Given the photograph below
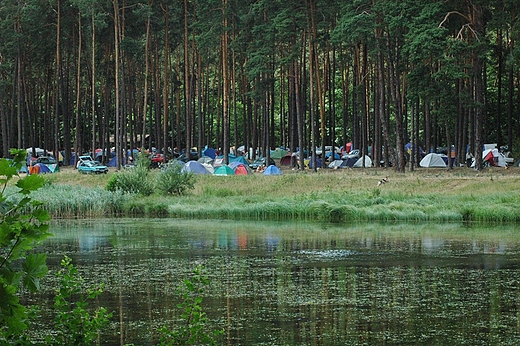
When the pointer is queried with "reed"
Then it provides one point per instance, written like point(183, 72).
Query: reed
point(343, 196)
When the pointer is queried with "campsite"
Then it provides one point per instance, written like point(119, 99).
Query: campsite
point(302, 243)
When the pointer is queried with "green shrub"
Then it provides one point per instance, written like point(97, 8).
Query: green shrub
point(23, 225)
point(173, 181)
point(132, 180)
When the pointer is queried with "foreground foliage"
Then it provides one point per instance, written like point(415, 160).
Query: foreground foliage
point(23, 224)
point(74, 323)
point(192, 329)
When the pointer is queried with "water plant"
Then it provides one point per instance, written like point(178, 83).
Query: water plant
point(74, 323)
point(192, 329)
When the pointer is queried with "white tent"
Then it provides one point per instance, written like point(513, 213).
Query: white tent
point(501, 158)
point(359, 162)
point(433, 160)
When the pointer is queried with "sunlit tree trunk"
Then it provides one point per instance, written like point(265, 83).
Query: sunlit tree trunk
point(225, 83)
point(117, 131)
point(78, 142)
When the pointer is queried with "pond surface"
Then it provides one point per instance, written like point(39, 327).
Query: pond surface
point(302, 284)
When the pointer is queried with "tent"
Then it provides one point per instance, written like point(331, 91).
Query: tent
point(272, 170)
point(433, 160)
point(233, 158)
point(359, 162)
point(209, 168)
point(318, 163)
point(239, 168)
point(206, 159)
point(337, 164)
point(224, 170)
point(194, 167)
point(210, 152)
point(329, 154)
point(39, 168)
point(287, 160)
point(278, 153)
point(487, 155)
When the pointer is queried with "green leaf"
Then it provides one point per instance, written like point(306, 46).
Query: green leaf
point(35, 268)
point(7, 169)
point(30, 183)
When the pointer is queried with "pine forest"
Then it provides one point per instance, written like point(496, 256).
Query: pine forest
point(81, 75)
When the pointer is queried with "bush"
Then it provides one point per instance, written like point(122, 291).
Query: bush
point(132, 180)
point(173, 181)
point(23, 225)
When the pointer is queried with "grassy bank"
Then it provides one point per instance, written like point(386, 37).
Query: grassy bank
point(330, 195)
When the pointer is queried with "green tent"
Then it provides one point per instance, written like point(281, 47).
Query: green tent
point(278, 153)
point(224, 170)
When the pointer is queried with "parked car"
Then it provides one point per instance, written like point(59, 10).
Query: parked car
point(91, 167)
point(46, 160)
point(261, 162)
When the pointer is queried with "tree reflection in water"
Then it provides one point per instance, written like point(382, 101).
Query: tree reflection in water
point(301, 284)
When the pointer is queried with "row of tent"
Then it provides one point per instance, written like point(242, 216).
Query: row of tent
point(434, 160)
point(234, 168)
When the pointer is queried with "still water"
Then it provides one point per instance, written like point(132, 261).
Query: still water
point(302, 284)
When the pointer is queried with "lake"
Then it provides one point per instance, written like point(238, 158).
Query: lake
point(300, 284)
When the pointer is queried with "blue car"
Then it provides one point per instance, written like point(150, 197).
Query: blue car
point(92, 167)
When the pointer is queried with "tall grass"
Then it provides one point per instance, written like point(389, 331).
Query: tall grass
point(329, 196)
point(65, 201)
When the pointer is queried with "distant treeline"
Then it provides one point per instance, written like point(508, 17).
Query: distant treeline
point(76, 75)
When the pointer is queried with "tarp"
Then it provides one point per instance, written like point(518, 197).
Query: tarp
point(433, 160)
point(359, 162)
point(272, 170)
point(206, 159)
point(278, 153)
point(210, 152)
point(224, 170)
point(194, 167)
point(336, 164)
point(38, 151)
point(233, 158)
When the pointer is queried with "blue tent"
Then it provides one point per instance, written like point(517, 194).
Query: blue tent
point(336, 155)
point(194, 167)
point(210, 152)
point(272, 170)
point(318, 163)
point(113, 161)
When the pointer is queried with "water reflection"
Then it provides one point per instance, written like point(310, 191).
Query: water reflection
point(300, 284)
